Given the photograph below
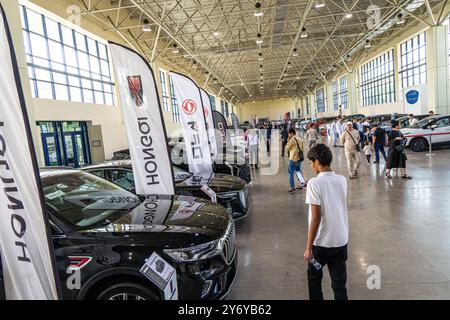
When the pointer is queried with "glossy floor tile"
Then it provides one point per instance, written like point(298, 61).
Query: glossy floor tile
point(403, 227)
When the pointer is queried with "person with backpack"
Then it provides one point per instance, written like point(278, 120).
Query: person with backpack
point(350, 141)
point(295, 147)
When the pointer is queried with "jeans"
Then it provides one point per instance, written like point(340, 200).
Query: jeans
point(292, 168)
point(336, 259)
point(336, 139)
point(379, 148)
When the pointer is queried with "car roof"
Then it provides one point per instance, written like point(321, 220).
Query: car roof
point(109, 164)
point(51, 171)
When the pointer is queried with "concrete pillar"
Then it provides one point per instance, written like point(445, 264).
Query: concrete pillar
point(11, 8)
point(353, 101)
point(437, 60)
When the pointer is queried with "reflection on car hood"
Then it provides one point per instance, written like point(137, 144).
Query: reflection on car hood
point(172, 214)
point(216, 181)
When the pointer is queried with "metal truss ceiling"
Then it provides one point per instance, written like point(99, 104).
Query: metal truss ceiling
point(228, 61)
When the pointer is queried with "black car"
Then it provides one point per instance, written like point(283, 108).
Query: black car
point(228, 163)
point(109, 232)
point(232, 192)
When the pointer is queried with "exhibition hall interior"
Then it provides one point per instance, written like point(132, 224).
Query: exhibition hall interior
point(225, 150)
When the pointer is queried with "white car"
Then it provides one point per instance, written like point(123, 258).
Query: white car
point(436, 128)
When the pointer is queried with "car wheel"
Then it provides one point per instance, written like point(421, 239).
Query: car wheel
point(419, 145)
point(127, 291)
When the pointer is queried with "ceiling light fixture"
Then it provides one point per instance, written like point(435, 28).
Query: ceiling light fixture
point(368, 45)
point(215, 34)
point(320, 4)
point(401, 19)
point(295, 52)
point(348, 58)
point(258, 10)
point(289, 65)
point(194, 64)
point(260, 57)
point(303, 34)
point(146, 26)
point(175, 48)
point(348, 16)
point(259, 38)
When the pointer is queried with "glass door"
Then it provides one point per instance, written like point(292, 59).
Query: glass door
point(71, 158)
point(51, 150)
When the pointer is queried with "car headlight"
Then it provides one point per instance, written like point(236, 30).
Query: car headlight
point(200, 252)
point(228, 195)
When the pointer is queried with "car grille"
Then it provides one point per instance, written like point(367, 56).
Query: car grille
point(243, 172)
point(229, 243)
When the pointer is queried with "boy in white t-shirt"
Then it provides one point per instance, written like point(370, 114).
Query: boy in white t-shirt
point(328, 225)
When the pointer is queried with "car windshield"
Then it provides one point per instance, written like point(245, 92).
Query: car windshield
point(180, 174)
point(422, 123)
point(82, 200)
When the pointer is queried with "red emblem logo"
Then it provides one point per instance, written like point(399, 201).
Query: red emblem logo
point(205, 111)
point(189, 106)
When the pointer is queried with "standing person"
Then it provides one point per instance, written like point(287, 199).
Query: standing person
point(295, 147)
point(350, 140)
point(328, 226)
point(360, 128)
point(411, 120)
point(284, 138)
point(339, 131)
point(334, 132)
point(253, 147)
point(367, 151)
point(379, 141)
point(396, 154)
point(268, 136)
point(312, 136)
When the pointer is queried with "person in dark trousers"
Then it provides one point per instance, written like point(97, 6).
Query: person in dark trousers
point(328, 226)
point(284, 139)
point(396, 155)
point(379, 141)
point(268, 136)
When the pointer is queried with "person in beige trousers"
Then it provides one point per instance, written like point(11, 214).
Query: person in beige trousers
point(350, 140)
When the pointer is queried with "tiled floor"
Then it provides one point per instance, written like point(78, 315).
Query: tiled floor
point(401, 226)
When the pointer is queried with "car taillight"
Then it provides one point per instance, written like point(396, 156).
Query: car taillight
point(76, 262)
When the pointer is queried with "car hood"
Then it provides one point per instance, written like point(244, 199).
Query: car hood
point(217, 181)
point(178, 220)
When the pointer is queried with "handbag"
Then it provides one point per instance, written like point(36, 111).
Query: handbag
point(358, 148)
point(301, 156)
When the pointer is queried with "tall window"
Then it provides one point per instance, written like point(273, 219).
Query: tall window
point(343, 91)
point(164, 94)
point(173, 99)
point(413, 61)
point(334, 89)
point(378, 81)
point(227, 112)
point(222, 107)
point(307, 101)
point(320, 100)
point(64, 64)
point(213, 102)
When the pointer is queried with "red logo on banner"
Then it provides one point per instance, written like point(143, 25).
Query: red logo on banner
point(189, 106)
point(205, 111)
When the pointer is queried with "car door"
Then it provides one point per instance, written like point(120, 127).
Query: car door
point(441, 131)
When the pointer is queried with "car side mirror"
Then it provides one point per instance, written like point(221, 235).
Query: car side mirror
point(434, 127)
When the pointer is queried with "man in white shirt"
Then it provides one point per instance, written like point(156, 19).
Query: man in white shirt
point(328, 225)
point(253, 147)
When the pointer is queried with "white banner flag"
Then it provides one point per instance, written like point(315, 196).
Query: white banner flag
point(194, 125)
point(25, 248)
point(147, 138)
point(209, 122)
